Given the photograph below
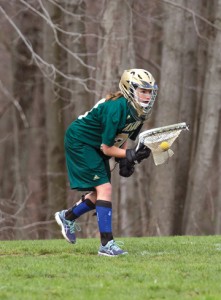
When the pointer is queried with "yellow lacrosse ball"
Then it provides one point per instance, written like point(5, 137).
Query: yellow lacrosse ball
point(164, 146)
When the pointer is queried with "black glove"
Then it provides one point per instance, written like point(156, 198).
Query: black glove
point(134, 156)
point(126, 168)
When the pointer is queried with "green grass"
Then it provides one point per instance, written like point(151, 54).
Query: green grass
point(156, 268)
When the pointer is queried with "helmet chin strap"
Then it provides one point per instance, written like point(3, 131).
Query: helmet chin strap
point(145, 105)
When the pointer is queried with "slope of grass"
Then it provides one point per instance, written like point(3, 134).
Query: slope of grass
point(156, 268)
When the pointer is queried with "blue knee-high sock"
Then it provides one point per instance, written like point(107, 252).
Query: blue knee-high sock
point(79, 209)
point(104, 219)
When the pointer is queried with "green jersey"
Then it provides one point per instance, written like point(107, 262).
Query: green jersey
point(108, 122)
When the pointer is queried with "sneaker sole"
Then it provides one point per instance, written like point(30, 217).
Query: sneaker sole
point(105, 254)
point(58, 220)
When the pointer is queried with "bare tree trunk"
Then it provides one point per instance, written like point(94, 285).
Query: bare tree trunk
point(53, 96)
point(20, 193)
point(143, 196)
point(117, 49)
point(163, 179)
point(218, 202)
point(204, 174)
point(7, 176)
point(186, 113)
point(37, 163)
point(79, 98)
point(24, 92)
point(148, 35)
point(147, 43)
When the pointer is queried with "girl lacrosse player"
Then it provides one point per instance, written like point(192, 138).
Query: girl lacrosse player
point(92, 139)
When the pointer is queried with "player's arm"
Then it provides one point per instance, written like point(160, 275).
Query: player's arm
point(131, 155)
point(113, 151)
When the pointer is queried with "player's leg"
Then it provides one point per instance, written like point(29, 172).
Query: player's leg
point(66, 218)
point(86, 169)
point(84, 205)
point(104, 217)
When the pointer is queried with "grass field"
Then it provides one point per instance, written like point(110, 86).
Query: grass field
point(156, 268)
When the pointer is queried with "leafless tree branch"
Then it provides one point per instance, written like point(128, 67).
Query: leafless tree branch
point(15, 103)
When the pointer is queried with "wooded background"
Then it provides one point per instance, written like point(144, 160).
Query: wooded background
point(58, 58)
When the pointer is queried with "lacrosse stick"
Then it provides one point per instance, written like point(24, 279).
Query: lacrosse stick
point(160, 139)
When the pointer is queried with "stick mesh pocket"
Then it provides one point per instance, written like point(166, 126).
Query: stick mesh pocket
point(154, 137)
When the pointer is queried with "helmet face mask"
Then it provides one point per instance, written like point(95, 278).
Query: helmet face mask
point(133, 79)
point(145, 97)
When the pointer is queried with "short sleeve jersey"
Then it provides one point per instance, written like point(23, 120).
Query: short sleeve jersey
point(108, 122)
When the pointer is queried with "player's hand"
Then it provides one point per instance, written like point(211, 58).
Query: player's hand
point(134, 156)
point(126, 168)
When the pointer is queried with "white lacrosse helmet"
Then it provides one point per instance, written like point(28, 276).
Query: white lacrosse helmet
point(130, 81)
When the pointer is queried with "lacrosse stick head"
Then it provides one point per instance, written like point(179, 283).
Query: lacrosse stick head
point(160, 139)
